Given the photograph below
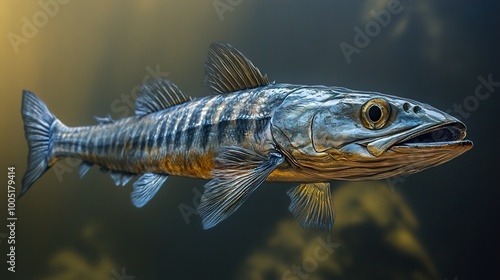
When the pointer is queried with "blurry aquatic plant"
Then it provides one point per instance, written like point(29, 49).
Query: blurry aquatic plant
point(376, 228)
point(85, 257)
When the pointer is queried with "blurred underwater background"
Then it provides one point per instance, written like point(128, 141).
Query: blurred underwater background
point(89, 58)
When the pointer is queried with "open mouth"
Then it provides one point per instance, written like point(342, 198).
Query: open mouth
point(438, 135)
point(441, 136)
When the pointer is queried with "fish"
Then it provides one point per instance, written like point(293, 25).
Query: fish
point(249, 131)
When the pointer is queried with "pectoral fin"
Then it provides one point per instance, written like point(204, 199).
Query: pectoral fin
point(312, 205)
point(146, 187)
point(238, 172)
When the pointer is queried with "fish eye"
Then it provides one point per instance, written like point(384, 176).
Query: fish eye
point(375, 113)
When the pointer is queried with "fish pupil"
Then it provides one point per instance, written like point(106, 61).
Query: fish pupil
point(374, 113)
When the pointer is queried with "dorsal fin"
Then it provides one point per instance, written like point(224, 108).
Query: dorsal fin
point(228, 70)
point(104, 120)
point(158, 94)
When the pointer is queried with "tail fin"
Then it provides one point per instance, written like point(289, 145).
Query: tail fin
point(38, 122)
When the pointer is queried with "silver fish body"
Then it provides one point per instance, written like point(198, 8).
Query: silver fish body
point(250, 132)
point(181, 140)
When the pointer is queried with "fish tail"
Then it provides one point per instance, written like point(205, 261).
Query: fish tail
point(39, 126)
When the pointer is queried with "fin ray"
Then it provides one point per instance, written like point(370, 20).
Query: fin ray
point(312, 205)
point(104, 120)
point(158, 94)
point(84, 168)
point(146, 187)
point(39, 123)
point(121, 178)
point(228, 70)
point(237, 174)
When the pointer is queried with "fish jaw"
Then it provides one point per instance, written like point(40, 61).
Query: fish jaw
point(404, 153)
point(430, 136)
point(435, 145)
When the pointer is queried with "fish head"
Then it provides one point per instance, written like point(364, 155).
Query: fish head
point(356, 135)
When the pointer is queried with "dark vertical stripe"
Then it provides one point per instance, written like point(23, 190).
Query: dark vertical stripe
point(260, 127)
point(170, 133)
point(144, 135)
point(221, 130)
point(242, 127)
point(111, 141)
point(208, 122)
point(90, 143)
point(97, 141)
point(123, 139)
point(177, 139)
point(75, 145)
point(194, 130)
point(189, 137)
point(224, 121)
point(180, 118)
point(116, 142)
point(162, 134)
point(205, 135)
point(134, 141)
point(105, 147)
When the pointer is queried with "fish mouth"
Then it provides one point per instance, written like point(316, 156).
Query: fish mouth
point(437, 135)
point(446, 136)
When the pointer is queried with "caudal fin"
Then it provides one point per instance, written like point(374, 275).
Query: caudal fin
point(38, 127)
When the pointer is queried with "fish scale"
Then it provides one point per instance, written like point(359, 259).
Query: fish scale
point(133, 137)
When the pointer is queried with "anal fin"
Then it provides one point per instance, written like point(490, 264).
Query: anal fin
point(146, 187)
point(122, 178)
point(237, 174)
point(84, 168)
point(312, 205)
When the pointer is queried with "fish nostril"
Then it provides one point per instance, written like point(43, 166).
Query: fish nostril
point(417, 109)
point(406, 107)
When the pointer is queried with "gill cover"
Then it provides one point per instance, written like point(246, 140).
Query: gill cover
point(291, 122)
